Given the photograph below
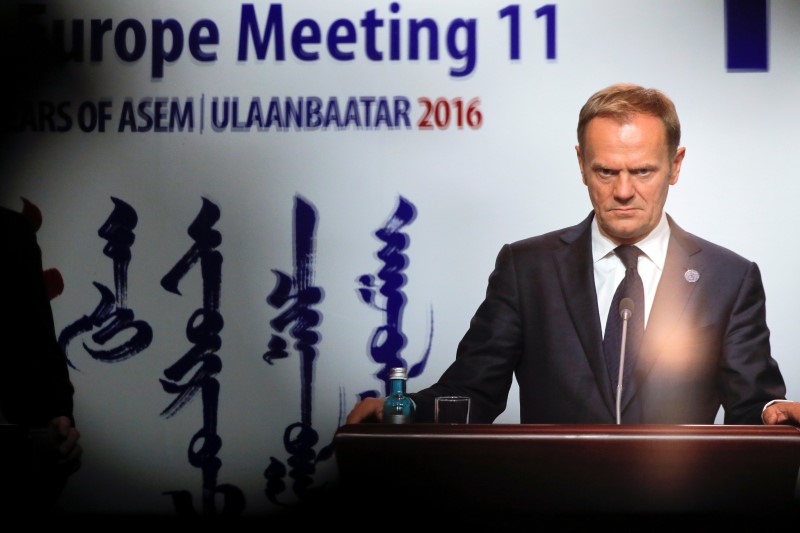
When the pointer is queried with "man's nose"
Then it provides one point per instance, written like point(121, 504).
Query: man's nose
point(623, 188)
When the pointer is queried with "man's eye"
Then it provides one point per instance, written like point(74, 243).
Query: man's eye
point(605, 172)
point(642, 172)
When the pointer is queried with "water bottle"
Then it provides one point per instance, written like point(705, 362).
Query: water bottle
point(398, 408)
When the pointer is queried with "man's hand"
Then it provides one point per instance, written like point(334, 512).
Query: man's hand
point(64, 438)
point(367, 410)
point(782, 413)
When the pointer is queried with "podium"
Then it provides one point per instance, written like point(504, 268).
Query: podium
point(520, 470)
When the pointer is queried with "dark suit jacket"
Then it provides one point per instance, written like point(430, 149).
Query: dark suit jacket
point(706, 342)
point(34, 379)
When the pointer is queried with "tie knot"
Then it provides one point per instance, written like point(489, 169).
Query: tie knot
point(629, 255)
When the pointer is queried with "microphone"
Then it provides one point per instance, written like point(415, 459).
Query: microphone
point(626, 308)
point(625, 311)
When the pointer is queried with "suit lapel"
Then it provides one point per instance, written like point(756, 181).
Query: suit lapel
point(576, 277)
point(672, 295)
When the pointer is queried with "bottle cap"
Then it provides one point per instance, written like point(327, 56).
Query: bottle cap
point(397, 373)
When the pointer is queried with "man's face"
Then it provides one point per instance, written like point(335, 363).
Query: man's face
point(628, 172)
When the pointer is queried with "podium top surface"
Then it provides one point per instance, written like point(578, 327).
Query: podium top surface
point(761, 433)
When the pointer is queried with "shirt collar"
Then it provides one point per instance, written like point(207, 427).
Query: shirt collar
point(654, 246)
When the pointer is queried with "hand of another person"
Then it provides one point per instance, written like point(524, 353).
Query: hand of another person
point(367, 410)
point(64, 438)
point(782, 413)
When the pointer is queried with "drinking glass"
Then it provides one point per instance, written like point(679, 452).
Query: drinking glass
point(452, 410)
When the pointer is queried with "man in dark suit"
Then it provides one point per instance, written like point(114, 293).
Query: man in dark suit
point(705, 342)
point(35, 389)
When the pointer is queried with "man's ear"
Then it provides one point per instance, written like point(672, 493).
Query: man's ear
point(677, 161)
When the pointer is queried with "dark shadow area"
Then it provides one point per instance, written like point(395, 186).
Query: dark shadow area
point(36, 64)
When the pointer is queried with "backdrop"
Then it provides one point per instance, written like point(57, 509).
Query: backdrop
point(257, 208)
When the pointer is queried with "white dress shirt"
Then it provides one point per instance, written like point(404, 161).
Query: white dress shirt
point(609, 270)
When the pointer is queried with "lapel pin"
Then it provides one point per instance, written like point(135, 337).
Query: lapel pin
point(691, 275)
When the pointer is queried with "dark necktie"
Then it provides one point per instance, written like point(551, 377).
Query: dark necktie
point(630, 287)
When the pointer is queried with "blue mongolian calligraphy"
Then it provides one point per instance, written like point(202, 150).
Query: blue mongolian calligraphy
point(297, 295)
point(202, 331)
point(116, 335)
point(388, 340)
